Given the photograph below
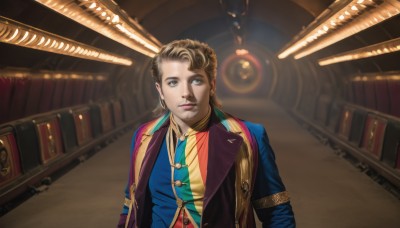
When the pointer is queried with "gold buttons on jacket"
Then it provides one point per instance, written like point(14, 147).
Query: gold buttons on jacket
point(186, 221)
point(178, 183)
point(178, 165)
point(179, 203)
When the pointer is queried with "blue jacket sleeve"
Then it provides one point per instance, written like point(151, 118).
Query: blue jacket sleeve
point(269, 198)
point(125, 207)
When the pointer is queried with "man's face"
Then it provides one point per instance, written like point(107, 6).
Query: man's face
point(186, 93)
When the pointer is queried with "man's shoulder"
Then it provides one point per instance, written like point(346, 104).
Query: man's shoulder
point(254, 127)
point(152, 125)
point(145, 124)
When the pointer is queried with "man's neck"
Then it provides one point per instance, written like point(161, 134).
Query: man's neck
point(185, 126)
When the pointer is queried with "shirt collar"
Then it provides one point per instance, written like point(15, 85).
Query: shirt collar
point(199, 126)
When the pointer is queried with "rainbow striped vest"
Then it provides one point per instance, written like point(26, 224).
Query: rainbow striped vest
point(245, 163)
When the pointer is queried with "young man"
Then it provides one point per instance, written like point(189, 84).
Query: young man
point(196, 166)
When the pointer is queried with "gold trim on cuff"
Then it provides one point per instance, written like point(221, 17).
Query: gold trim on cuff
point(127, 202)
point(272, 200)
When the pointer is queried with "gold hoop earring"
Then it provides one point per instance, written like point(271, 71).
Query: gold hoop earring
point(162, 103)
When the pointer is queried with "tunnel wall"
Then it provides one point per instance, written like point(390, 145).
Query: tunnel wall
point(57, 110)
point(353, 106)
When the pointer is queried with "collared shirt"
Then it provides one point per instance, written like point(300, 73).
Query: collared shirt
point(188, 183)
point(186, 165)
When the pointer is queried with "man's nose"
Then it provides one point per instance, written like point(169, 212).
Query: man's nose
point(186, 90)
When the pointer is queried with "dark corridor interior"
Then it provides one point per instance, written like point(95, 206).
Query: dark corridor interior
point(321, 75)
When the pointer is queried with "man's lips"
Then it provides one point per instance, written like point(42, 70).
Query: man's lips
point(187, 105)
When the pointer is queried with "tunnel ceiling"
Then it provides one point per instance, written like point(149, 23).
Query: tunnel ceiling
point(267, 23)
point(168, 20)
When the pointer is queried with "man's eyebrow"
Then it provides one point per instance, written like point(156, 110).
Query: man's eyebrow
point(191, 76)
point(197, 75)
point(170, 77)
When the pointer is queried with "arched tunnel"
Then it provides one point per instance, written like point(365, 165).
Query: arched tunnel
point(322, 76)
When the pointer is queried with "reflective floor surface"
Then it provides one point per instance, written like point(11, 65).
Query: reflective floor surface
point(326, 190)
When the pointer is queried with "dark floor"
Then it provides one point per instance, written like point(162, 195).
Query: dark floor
point(326, 190)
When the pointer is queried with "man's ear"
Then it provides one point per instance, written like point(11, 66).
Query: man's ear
point(158, 87)
point(213, 83)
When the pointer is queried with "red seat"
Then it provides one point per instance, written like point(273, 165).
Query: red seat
point(322, 110)
point(10, 167)
point(79, 90)
point(349, 93)
point(345, 122)
point(89, 91)
point(100, 90)
point(49, 134)
point(335, 112)
point(18, 100)
point(359, 94)
point(68, 93)
point(58, 93)
point(106, 116)
point(82, 125)
point(68, 130)
point(394, 91)
point(391, 143)
point(130, 111)
point(117, 112)
point(97, 90)
point(382, 96)
point(398, 157)
point(373, 136)
point(28, 145)
point(96, 119)
point(34, 96)
point(47, 95)
point(357, 126)
point(370, 94)
point(6, 88)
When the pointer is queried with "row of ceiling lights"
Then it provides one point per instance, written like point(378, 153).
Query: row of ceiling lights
point(16, 33)
point(391, 76)
point(341, 20)
point(103, 16)
point(25, 73)
point(365, 52)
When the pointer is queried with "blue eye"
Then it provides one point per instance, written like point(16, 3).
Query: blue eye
point(197, 81)
point(172, 83)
